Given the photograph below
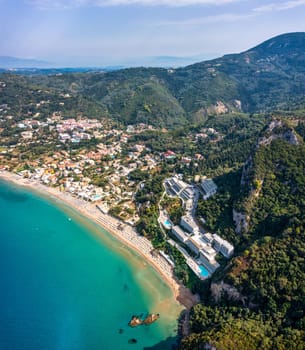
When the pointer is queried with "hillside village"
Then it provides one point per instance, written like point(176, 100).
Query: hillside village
point(96, 162)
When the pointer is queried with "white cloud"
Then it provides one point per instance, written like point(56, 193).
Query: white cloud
point(225, 17)
point(47, 4)
point(172, 3)
point(52, 4)
point(280, 6)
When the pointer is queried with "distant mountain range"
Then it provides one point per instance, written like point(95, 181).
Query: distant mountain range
point(267, 77)
point(81, 63)
point(8, 62)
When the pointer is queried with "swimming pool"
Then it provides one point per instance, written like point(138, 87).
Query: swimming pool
point(204, 272)
point(96, 197)
point(167, 224)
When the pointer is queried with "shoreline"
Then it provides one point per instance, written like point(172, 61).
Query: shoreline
point(127, 235)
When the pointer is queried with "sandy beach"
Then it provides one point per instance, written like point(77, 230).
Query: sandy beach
point(121, 231)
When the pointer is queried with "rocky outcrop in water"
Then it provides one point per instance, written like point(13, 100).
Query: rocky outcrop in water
point(135, 321)
point(138, 321)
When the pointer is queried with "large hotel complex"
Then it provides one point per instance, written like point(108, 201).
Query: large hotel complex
point(203, 246)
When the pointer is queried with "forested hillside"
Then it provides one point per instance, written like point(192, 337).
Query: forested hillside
point(257, 302)
point(267, 77)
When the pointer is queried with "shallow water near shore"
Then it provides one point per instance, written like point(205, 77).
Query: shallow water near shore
point(68, 284)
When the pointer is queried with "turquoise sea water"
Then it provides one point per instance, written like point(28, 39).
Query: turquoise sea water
point(64, 288)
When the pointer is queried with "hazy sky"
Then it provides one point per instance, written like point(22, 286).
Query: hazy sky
point(111, 31)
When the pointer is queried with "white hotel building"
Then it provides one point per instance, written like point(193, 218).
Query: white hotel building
point(223, 246)
point(209, 187)
point(188, 223)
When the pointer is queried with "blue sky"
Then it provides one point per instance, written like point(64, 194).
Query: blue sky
point(107, 32)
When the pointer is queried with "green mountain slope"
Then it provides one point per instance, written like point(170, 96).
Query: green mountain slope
point(132, 97)
point(267, 77)
point(25, 97)
point(258, 301)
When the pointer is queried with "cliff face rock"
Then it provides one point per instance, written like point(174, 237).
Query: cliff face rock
point(218, 108)
point(277, 130)
point(250, 182)
point(288, 136)
point(246, 171)
point(238, 105)
point(291, 138)
point(276, 123)
point(241, 221)
point(219, 289)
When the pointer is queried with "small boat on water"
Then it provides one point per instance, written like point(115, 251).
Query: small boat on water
point(137, 321)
